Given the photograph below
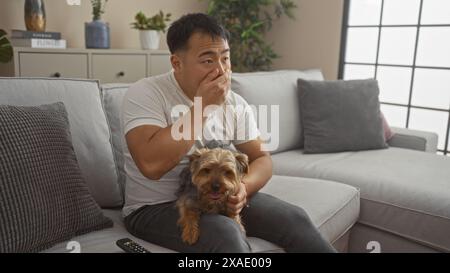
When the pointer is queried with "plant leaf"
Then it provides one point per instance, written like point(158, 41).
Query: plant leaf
point(6, 51)
point(248, 21)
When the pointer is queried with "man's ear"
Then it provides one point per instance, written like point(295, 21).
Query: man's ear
point(242, 162)
point(175, 60)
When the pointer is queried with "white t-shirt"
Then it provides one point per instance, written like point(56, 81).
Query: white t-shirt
point(151, 101)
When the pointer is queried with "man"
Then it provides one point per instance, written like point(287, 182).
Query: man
point(154, 157)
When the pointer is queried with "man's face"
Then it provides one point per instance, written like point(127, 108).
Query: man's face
point(202, 56)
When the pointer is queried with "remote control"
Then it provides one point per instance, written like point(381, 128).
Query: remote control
point(131, 246)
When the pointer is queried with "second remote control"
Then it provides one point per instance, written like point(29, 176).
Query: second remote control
point(131, 246)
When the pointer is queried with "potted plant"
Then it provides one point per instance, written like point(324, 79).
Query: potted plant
point(150, 28)
point(97, 31)
point(248, 21)
point(6, 51)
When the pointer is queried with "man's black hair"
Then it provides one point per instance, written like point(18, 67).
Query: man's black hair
point(182, 29)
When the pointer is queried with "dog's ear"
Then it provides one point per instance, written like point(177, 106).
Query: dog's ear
point(241, 162)
point(196, 154)
point(194, 157)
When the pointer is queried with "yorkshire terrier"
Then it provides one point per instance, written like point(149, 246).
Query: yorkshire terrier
point(212, 176)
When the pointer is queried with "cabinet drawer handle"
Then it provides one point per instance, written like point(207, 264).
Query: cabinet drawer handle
point(121, 74)
point(57, 75)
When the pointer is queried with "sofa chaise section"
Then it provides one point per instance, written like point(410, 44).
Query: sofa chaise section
point(404, 192)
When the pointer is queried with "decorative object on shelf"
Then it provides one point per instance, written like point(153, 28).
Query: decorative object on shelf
point(150, 28)
point(97, 31)
point(34, 39)
point(248, 21)
point(24, 34)
point(35, 18)
point(39, 43)
point(6, 51)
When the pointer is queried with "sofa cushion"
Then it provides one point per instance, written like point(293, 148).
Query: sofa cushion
point(276, 88)
point(112, 97)
point(104, 241)
point(333, 208)
point(403, 191)
point(89, 129)
point(44, 198)
point(341, 116)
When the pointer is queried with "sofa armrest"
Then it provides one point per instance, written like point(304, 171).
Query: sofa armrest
point(414, 139)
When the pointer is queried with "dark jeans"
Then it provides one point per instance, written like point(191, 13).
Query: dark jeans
point(267, 217)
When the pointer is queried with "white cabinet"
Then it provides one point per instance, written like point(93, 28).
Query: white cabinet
point(119, 67)
point(106, 65)
point(34, 64)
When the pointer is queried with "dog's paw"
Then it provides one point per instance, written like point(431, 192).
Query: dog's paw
point(190, 235)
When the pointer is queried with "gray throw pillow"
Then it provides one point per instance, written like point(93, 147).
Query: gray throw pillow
point(112, 97)
point(341, 116)
point(44, 198)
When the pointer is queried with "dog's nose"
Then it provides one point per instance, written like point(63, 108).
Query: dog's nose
point(215, 186)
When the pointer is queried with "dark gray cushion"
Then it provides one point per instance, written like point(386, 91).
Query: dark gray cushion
point(341, 116)
point(43, 195)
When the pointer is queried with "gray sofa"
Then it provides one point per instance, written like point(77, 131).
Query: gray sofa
point(398, 197)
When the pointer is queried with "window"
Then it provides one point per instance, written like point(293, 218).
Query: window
point(405, 45)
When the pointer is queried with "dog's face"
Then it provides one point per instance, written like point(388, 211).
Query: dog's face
point(217, 173)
